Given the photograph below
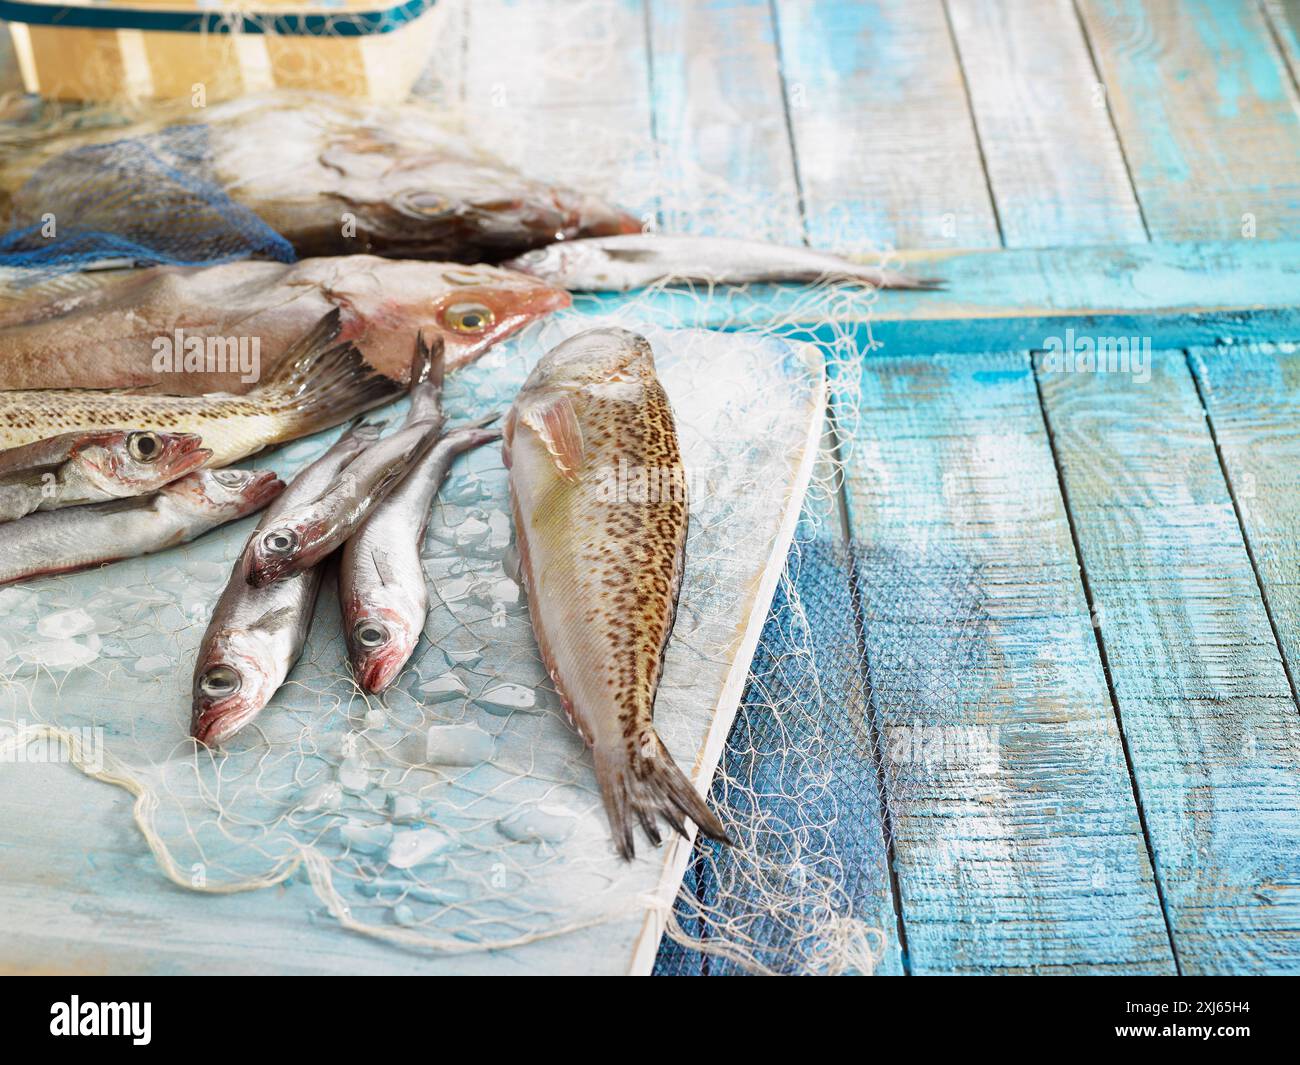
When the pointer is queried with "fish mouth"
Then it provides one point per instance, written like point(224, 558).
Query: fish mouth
point(261, 490)
point(184, 455)
point(376, 671)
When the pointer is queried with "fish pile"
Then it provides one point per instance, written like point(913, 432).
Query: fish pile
point(370, 496)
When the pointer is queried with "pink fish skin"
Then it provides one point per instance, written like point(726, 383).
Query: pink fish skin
point(130, 320)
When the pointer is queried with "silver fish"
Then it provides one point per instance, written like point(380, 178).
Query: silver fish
point(304, 535)
point(63, 541)
point(603, 572)
point(382, 586)
point(256, 635)
point(78, 468)
point(628, 261)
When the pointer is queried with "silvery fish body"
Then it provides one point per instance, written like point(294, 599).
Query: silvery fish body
point(256, 635)
point(79, 468)
point(320, 384)
point(604, 571)
point(628, 261)
point(63, 541)
point(304, 535)
point(382, 585)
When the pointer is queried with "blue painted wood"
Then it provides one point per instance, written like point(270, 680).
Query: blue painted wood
point(1053, 160)
point(1207, 113)
point(726, 165)
point(1207, 712)
point(1018, 846)
point(886, 150)
point(1179, 295)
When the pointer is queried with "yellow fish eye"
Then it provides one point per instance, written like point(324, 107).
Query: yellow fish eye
point(468, 317)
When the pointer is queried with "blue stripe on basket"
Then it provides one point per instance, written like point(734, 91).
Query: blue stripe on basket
point(338, 24)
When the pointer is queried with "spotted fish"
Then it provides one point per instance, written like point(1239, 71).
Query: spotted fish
point(603, 570)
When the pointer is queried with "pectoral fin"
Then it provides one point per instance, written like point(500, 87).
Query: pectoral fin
point(556, 422)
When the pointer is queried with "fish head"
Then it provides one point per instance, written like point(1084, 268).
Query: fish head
point(225, 495)
point(471, 307)
point(605, 355)
point(380, 640)
point(560, 262)
point(234, 679)
point(132, 463)
point(278, 550)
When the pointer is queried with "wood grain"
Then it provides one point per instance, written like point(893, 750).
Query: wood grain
point(886, 149)
point(1053, 159)
point(725, 160)
point(1207, 711)
point(1207, 113)
point(1029, 858)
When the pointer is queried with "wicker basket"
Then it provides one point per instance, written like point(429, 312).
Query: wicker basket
point(165, 49)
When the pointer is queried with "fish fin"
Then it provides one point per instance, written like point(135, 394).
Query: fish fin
point(644, 785)
point(556, 422)
point(428, 369)
point(322, 382)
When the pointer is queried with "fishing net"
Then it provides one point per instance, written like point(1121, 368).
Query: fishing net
point(457, 816)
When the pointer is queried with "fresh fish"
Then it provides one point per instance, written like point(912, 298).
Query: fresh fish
point(336, 176)
point(321, 383)
point(64, 541)
point(304, 535)
point(256, 635)
point(94, 467)
point(603, 573)
point(620, 263)
point(145, 326)
point(382, 585)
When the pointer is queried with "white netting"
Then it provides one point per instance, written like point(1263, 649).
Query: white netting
point(459, 812)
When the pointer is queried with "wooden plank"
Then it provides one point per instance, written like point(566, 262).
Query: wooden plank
point(1252, 393)
point(1207, 711)
point(725, 160)
point(1053, 159)
point(1176, 294)
point(1284, 20)
point(1018, 846)
point(1207, 114)
point(886, 149)
point(562, 90)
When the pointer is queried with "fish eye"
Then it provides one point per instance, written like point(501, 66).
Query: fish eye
point(537, 255)
point(280, 541)
point(370, 634)
point(228, 478)
point(462, 277)
point(144, 447)
point(426, 203)
point(468, 317)
point(219, 682)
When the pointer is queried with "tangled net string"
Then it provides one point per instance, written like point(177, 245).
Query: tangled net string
point(459, 812)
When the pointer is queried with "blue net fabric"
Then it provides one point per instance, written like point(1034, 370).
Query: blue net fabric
point(149, 200)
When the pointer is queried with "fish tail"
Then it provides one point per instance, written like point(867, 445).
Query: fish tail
point(643, 785)
point(893, 279)
point(428, 370)
point(323, 382)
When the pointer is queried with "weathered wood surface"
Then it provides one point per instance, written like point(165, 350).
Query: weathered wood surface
point(1018, 845)
point(1207, 113)
point(1208, 715)
point(886, 151)
point(1053, 160)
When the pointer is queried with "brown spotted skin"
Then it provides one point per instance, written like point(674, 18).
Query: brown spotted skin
point(603, 563)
